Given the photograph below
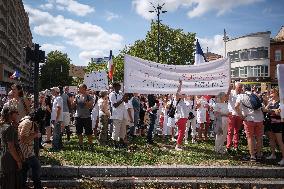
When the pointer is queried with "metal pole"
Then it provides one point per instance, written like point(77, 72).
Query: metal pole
point(158, 14)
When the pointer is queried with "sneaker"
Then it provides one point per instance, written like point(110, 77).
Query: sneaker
point(178, 148)
point(193, 141)
point(174, 140)
point(186, 142)
point(281, 163)
point(271, 157)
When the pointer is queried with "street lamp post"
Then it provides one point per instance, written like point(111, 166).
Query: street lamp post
point(158, 10)
point(225, 38)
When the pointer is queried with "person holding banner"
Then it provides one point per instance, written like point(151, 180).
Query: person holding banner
point(117, 99)
point(276, 126)
point(182, 112)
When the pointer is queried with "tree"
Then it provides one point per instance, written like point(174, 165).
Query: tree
point(55, 71)
point(176, 47)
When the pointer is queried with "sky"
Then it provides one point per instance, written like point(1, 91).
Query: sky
point(86, 29)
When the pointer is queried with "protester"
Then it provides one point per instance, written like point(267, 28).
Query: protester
point(276, 126)
point(83, 103)
point(201, 106)
point(56, 118)
point(191, 123)
point(11, 155)
point(253, 124)
point(182, 113)
point(221, 121)
point(152, 110)
point(104, 115)
point(48, 107)
point(117, 100)
point(136, 107)
point(19, 101)
point(66, 111)
point(235, 119)
point(28, 131)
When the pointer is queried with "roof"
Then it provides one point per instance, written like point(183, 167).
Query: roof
point(280, 35)
point(251, 35)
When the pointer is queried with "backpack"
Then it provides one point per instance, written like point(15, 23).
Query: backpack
point(172, 109)
point(252, 101)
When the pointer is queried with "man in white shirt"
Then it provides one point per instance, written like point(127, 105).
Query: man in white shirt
point(253, 124)
point(117, 98)
point(56, 118)
point(235, 120)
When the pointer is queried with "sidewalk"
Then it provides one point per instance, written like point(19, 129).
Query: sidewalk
point(162, 171)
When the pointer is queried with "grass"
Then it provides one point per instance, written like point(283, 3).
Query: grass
point(139, 153)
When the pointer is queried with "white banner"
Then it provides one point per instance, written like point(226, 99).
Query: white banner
point(280, 76)
point(96, 81)
point(146, 77)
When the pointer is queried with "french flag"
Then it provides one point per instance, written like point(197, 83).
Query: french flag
point(199, 55)
point(15, 75)
point(110, 66)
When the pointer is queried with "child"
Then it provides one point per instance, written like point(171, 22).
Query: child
point(221, 112)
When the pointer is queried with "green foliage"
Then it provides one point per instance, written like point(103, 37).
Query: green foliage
point(176, 47)
point(55, 71)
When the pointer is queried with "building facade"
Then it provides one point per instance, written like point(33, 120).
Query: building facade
point(276, 55)
point(250, 58)
point(15, 34)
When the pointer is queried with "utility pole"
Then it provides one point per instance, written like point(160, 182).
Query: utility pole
point(158, 10)
point(225, 38)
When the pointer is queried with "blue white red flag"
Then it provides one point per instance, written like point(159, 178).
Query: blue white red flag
point(199, 55)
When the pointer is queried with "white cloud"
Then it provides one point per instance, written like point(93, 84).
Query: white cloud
point(86, 36)
point(72, 6)
point(215, 44)
point(52, 47)
point(196, 7)
point(110, 16)
point(87, 55)
point(46, 6)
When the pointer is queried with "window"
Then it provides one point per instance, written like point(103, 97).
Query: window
point(244, 55)
point(253, 54)
point(278, 55)
point(233, 72)
point(243, 72)
point(264, 71)
point(262, 52)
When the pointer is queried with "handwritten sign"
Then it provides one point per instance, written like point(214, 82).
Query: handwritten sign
point(146, 77)
point(280, 75)
point(3, 91)
point(96, 81)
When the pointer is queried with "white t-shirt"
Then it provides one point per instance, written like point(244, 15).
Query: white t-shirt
point(201, 111)
point(232, 102)
point(221, 108)
point(182, 110)
point(128, 105)
point(212, 103)
point(117, 113)
point(57, 102)
point(250, 114)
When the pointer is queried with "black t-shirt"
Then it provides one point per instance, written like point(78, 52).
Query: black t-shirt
point(152, 102)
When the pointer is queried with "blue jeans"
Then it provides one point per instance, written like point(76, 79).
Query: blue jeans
point(136, 121)
point(34, 164)
point(57, 137)
point(151, 127)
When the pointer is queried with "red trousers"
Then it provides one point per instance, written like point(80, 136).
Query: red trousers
point(234, 126)
point(181, 123)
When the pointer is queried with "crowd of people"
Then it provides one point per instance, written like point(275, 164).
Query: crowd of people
point(113, 117)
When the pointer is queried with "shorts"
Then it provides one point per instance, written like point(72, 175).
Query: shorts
point(83, 123)
point(253, 129)
point(66, 118)
point(276, 127)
